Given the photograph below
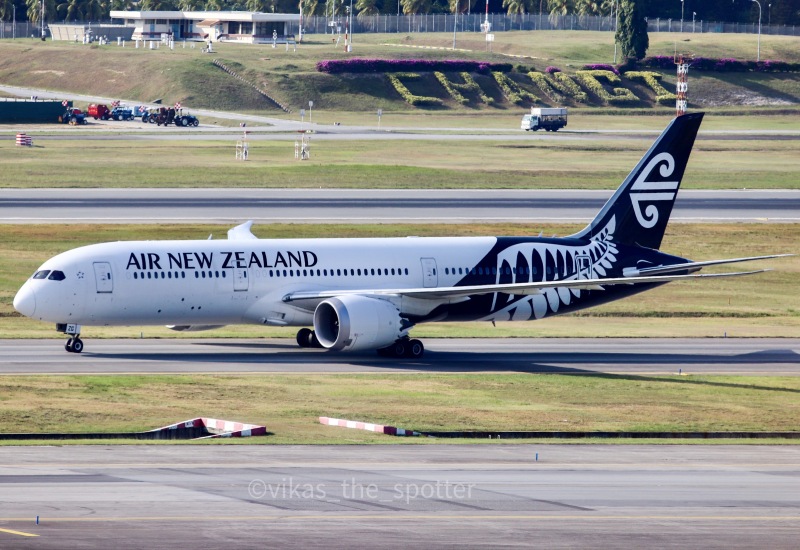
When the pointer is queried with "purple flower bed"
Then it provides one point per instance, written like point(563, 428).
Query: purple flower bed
point(601, 67)
point(722, 65)
point(404, 65)
point(551, 70)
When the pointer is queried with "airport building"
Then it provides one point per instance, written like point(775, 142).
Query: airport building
point(215, 26)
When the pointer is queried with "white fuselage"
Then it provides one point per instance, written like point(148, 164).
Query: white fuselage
point(234, 281)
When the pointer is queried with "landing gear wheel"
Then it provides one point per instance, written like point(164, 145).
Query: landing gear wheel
point(304, 337)
point(68, 345)
point(77, 345)
point(313, 341)
point(415, 349)
point(399, 348)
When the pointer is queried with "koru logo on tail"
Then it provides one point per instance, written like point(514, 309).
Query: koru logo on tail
point(643, 191)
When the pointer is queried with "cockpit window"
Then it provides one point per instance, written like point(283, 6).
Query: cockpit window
point(41, 274)
point(56, 276)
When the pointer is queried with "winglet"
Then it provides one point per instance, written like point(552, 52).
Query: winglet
point(241, 232)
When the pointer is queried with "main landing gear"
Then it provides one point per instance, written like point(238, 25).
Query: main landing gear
point(307, 339)
point(404, 348)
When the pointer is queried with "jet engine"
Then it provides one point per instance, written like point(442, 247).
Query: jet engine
point(356, 323)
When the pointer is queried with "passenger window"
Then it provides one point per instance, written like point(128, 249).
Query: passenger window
point(56, 276)
point(41, 274)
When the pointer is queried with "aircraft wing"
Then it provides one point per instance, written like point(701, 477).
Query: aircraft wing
point(461, 292)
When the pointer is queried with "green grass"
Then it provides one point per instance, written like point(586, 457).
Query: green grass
point(188, 76)
point(569, 162)
point(765, 305)
point(289, 405)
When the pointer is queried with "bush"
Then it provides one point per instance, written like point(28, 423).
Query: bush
point(663, 96)
point(601, 67)
point(512, 91)
point(591, 79)
point(722, 65)
point(550, 70)
point(406, 94)
point(557, 85)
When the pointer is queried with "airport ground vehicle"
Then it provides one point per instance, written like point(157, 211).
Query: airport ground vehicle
point(102, 112)
point(73, 116)
point(550, 119)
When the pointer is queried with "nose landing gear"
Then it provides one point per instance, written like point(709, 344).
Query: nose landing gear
point(74, 343)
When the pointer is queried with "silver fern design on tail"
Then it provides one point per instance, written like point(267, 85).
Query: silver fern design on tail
point(539, 262)
point(653, 191)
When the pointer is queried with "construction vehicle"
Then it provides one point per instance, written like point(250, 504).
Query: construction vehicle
point(550, 119)
point(73, 116)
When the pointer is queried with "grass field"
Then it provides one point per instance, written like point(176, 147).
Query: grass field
point(765, 305)
point(565, 162)
point(188, 76)
point(289, 405)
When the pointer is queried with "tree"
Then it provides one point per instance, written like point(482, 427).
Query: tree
point(517, 6)
point(589, 7)
point(632, 32)
point(365, 8)
point(413, 7)
point(34, 10)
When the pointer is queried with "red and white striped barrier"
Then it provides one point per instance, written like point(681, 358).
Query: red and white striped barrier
point(24, 140)
point(387, 430)
point(224, 428)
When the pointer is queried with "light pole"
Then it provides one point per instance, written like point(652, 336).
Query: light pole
point(14, 27)
point(455, 25)
point(694, 13)
point(616, 27)
point(42, 20)
point(758, 54)
point(351, 25)
point(681, 15)
point(769, 17)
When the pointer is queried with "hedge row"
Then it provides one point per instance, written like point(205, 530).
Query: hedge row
point(406, 65)
point(722, 65)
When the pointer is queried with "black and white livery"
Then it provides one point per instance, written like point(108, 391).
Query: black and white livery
point(361, 294)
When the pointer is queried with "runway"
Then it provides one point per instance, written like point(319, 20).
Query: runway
point(646, 356)
point(400, 496)
point(370, 206)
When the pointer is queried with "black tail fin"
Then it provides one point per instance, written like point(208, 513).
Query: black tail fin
point(639, 211)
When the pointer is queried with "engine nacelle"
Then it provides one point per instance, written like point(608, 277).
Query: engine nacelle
point(193, 328)
point(356, 322)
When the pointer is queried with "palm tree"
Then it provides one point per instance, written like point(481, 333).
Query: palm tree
point(520, 7)
point(34, 10)
point(413, 7)
point(365, 8)
point(589, 7)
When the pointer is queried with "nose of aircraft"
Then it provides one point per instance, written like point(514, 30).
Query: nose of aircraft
point(25, 301)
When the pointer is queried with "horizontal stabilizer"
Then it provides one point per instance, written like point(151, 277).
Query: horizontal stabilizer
point(693, 266)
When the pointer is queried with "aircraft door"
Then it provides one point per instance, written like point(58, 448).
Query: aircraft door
point(429, 277)
point(241, 281)
point(102, 277)
point(584, 267)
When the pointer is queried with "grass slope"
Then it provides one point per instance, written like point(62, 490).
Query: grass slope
point(189, 76)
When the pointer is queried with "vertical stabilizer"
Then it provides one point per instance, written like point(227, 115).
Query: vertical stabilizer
point(641, 207)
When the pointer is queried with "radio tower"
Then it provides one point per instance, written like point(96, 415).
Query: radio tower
point(682, 87)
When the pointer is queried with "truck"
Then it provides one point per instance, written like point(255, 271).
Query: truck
point(551, 119)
